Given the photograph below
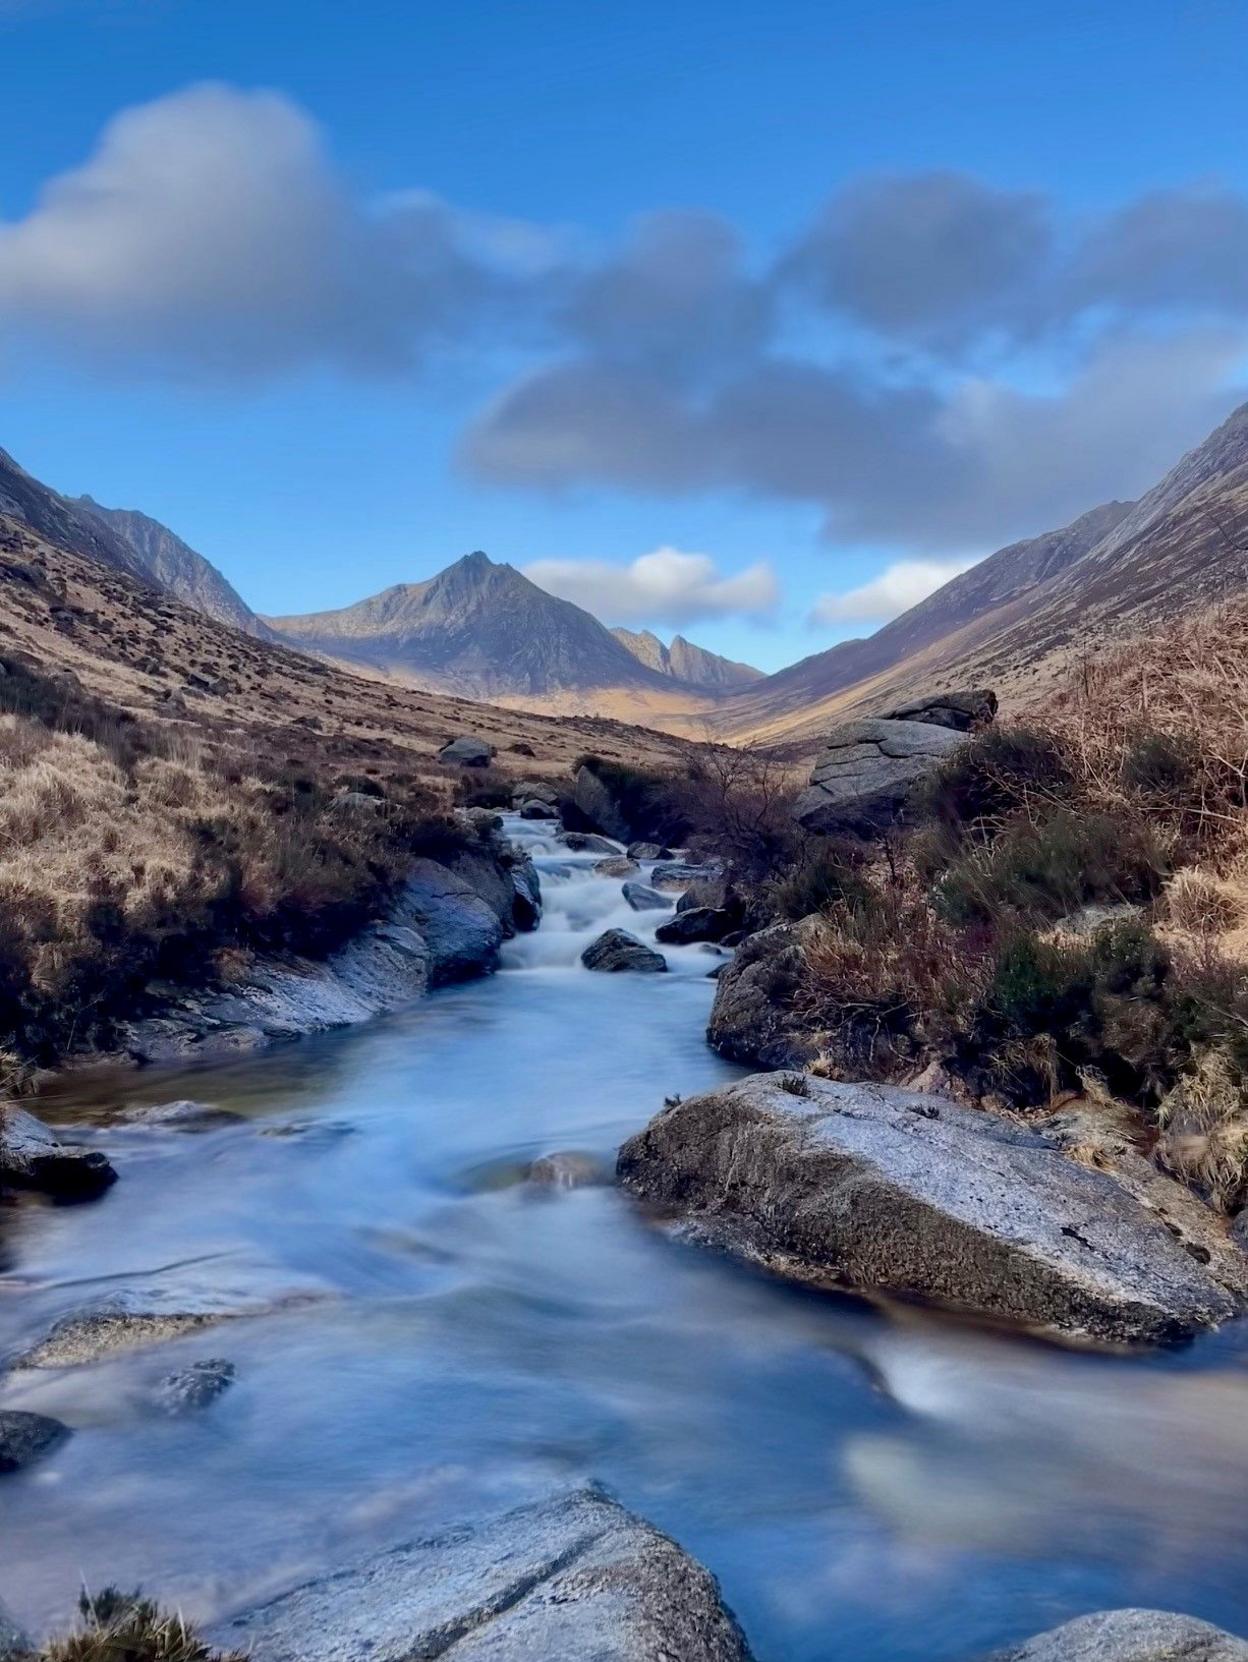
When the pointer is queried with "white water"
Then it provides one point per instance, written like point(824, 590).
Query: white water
point(884, 1487)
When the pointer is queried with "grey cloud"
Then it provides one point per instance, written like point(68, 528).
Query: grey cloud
point(1185, 248)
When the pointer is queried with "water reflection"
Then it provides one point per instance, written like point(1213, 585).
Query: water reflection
point(883, 1485)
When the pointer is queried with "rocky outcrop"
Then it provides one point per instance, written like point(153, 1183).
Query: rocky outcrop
point(575, 1578)
point(33, 1157)
point(616, 950)
point(963, 711)
point(867, 771)
point(598, 806)
point(466, 752)
point(1131, 1636)
point(892, 1191)
point(447, 925)
point(752, 1019)
point(25, 1438)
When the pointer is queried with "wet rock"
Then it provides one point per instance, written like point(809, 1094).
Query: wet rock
point(194, 1386)
point(752, 1019)
point(33, 1157)
point(705, 891)
point(574, 1578)
point(617, 950)
point(867, 772)
point(535, 790)
point(538, 810)
point(25, 1438)
point(597, 805)
point(183, 1115)
point(136, 1321)
point(466, 752)
point(1131, 1636)
point(648, 851)
point(462, 931)
point(696, 923)
point(678, 874)
point(876, 1188)
point(588, 842)
point(642, 898)
point(616, 865)
point(526, 907)
point(568, 1169)
point(962, 711)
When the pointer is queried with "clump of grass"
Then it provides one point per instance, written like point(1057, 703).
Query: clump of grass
point(1204, 1129)
point(125, 1627)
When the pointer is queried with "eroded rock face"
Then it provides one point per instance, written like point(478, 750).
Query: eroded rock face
point(877, 1188)
point(25, 1438)
point(752, 1019)
point(572, 1579)
point(963, 711)
point(1131, 1636)
point(616, 950)
point(867, 772)
point(33, 1157)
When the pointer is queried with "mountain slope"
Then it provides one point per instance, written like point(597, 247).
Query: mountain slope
point(61, 521)
point(482, 630)
point(1015, 619)
point(175, 567)
point(682, 661)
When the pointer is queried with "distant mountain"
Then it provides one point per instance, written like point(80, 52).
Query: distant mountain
point(61, 521)
point(480, 629)
point(174, 566)
point(1015, 619)
point(692, 666)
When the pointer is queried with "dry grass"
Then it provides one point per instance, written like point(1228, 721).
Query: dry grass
point(1204, 1130)
point(123, 1627)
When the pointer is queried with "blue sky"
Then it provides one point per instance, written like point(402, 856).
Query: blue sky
point(823, 293)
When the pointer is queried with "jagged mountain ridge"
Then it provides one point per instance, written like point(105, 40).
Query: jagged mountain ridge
point(682, 661)
point(481, 629)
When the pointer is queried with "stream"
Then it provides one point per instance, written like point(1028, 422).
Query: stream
point(882, 1485)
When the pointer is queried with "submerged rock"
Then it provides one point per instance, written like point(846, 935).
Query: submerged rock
point(617, 950)
point(575, 1578)
point(183, 1115)
point(1131, 1636)
point(568, 1169)
point(33, 1157)
point(752, 1019)
point(25, 1438)
point(875, 1188)
point(865, 776)
point(642, 898)
point(194, 1386)
point(135, 1321)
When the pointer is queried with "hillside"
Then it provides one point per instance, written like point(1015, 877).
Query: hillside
point(1014, 620)
point(483, 630)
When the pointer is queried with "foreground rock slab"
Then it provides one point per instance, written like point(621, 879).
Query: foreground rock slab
point(875, 1188)
point(1131, 1636)
point(572, 1579)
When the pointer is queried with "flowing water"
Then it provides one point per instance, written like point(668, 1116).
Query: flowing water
point(886, 1486)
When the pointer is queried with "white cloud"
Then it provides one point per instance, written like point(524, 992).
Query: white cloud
point(895, 590)
point(666, 586)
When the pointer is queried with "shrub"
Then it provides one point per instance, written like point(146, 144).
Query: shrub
point(995, 774)
point(1049, 867)
point(124, 1627)
point(1204, 1129)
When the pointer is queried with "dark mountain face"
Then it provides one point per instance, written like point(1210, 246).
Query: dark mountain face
point(692, 666)
point(61, 521)
point(477, 628)
point(167, 561)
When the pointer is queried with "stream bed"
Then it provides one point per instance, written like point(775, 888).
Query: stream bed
point(451, 1338)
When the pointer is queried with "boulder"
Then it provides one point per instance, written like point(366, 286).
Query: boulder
point(194, 1386)
point(867, 771)
point(892, 1191)
point(33, 1157)
point(648, 851)
point(1131, 1636)
point(466, 752)
point(25, 1438)
point(527, 906)
point(588, 842)
point(696, 923)
point(679, 874)
point(704, 891)
point(642, 898)
point(617, 950)
point(535, 790)
point(538, 810)
point(965, 712)
point(463, 932)
point(598, 806)
point(574, 1578)
point(616, 865)
point(752, 1019)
